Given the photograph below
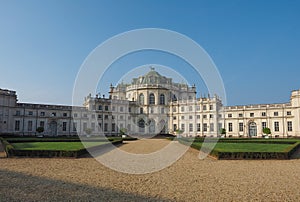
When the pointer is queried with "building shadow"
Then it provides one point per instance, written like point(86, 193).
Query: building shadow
point(16, 186)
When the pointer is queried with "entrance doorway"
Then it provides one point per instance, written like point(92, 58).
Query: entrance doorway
point(252, 129)
point(53, 128)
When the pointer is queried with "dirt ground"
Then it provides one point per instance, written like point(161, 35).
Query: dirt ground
point(188, 179)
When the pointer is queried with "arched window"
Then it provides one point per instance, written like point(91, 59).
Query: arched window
point(141, 99)
point(151, 99)
point(162, 99)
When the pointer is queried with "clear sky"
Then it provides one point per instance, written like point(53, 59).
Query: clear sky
point(254, 44)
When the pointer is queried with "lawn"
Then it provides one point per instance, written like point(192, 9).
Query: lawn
point(63, 146)
point(247, 147)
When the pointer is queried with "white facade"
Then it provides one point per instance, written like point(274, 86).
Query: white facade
point(150, 104)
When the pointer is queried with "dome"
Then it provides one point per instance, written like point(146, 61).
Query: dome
point(152, 77)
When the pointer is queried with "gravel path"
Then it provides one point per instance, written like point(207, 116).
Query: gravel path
point(189, 179)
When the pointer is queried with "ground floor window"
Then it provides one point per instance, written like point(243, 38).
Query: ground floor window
point(241, 127)
point(17, 125)
point(205, 127)
point(264, 124)
point(198, 127)
point(290, 126)
point(191, 127)
point(230, 127)
point(276, 126)
point(64, 127)
point(212, 127)
point(183, 127)
point(29, 126)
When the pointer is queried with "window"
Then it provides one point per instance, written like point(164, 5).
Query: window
point(85, 115)
point(17, 125)
point(198, 116)
point(212, 127)
point(29, 126)
point(74, 126)
point(121, 117)
point(141, 110)
point(263, 114)
point(42, 114)
point(129, 109)
point(121, 109)
point(211, 107)
point(64, 126)
point(290, 126)
point(230, 127)
point(240, 115)
point(99, 116)
point(84, 126)
point(198, 127)
point(151, 99)
point(229, 115)
point(174, 127)
point(204, 107)
point(205, 127)
point(264, 124)
point(190, 117)
point(276, 126)
point(106, 108)
point(93, 116)
point(75, 115)
point(162, 99)
point(251, 114)
point(105, 127)
point(53, 114)
point(30, 113)
point(112, 117)
point(182, 109)
point(42, 124)
point(113, 108)
point(182, 117)
point(205, 116)
point(191, 127)
point(141, 99)
point(219, 126)
point(198, 108)
point(183, 127)
point(162, 110)
point(174, 109)
point(93, 126)
point(190, 108)
point(174, 117)
point(100, 107)
point(105, 116)
point(275, 113)
point(241, 127)
point(18, 113)
point(289, 113)
point(211, 116)
point(113, 127)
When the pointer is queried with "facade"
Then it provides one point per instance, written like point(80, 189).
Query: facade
point(150, 104)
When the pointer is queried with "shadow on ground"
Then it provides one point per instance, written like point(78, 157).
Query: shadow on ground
point(21, 187)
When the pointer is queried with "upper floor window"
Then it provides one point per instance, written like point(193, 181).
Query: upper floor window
point(289, 113)
point(275, 113)
point(162, 99)
point(263, 114)
point(141, 99)
point(151, 99)
point(251, 114)
point(30, 113)
point(240, 115)
point(229, 115)
point(211, 107)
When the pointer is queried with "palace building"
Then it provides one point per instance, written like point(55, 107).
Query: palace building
point(150, 104)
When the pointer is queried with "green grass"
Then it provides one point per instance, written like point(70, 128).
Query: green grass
point(63, 146)
point(247, 147)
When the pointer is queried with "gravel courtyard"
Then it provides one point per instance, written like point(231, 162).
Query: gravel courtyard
point(188, 179)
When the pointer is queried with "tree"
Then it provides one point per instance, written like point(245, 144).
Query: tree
point(267, 131)
point(88, 131)
point(39, 130)
point(178, 132)
point(223, 131)
point(123, 131)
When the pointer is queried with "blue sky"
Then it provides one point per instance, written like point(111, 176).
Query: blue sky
point(254, 44)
